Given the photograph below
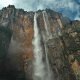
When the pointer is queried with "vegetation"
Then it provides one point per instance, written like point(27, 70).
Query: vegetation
point(68, 39)
point(77, 73)
point(6, 30)
point(65, 34)
point(5, 35)
point(56, 40)
point(77, 29)
point(69, 26)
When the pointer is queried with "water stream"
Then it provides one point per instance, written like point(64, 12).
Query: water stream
point(41, 69)
point(46, 37)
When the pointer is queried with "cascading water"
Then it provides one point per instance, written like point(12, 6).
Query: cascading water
point(45, 39)
point(41, 69)
point(47, 25)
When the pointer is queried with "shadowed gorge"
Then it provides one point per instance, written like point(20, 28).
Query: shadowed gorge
point(40, 45)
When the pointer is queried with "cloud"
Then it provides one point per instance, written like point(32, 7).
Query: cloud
point(77, 17)
point(4, 3)
point(65, 6)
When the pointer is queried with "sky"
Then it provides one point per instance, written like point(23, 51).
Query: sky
point(69, 8)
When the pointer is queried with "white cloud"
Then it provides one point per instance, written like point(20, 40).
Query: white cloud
point(5, 2)
point(77, 17)
point(34, 5)
point(40, 7)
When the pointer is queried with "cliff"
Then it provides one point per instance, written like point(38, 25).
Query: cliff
point(63, 47)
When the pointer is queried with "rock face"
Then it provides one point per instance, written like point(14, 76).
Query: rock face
point(63, 48)
point(5, 38)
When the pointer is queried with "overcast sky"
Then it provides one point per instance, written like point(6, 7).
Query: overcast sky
point(69, 8)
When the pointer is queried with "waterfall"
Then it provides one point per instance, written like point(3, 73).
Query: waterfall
point(47, 25)
point(41, 70)
point(45, 39)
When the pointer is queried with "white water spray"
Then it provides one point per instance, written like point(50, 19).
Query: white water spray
point(46, 38)
point(47, 25)
point(39, 71)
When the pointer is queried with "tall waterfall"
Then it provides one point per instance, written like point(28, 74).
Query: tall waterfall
point(45, 39)
point(41, 69)
point(47, 25)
